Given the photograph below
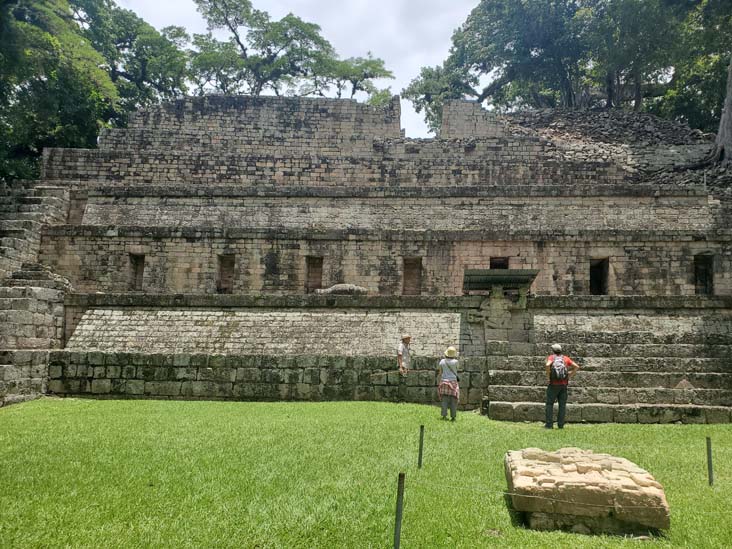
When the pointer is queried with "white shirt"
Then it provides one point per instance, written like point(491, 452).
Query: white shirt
point(404, 352)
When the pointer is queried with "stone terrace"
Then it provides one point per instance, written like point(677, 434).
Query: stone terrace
point(180, 251)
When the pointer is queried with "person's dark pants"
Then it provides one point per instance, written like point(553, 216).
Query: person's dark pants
point(554, 393)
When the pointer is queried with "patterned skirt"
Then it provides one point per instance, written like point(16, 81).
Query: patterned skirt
point(448, 388)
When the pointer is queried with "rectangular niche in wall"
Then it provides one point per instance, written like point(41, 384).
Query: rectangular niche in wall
point(704, 274)
point(314, 273)
point(412, 276)
point(225, 275)
point(599, 269)
point(499, 263)
point(137, 271)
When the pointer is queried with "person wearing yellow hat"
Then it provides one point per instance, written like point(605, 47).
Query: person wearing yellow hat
point(448, 387)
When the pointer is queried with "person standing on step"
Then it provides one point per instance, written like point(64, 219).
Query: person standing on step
point(559, 370)
point(403, 354)
point(448, 387)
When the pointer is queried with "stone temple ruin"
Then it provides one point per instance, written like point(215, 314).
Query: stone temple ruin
point(181, 259)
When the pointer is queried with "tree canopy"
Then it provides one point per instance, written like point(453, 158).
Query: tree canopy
point(71, 67)
point(666, 56)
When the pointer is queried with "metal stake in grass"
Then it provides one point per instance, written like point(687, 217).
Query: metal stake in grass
point(709, 461)
point(399, 509)
point(421, 445)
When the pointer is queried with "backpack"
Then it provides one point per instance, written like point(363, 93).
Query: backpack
point(558, 370)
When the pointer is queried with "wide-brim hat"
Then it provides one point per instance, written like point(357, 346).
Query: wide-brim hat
point(451, 352)
point(557, 347)
point(406, 336)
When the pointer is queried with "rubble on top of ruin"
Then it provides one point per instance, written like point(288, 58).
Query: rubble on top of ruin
point(613, 126)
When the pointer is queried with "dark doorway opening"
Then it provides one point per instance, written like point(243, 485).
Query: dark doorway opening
point(313, 274)
point(137, 271)
point(412, 276)
point(704, 274)
point(225, 277)
point(499, 263)
point(599, 269)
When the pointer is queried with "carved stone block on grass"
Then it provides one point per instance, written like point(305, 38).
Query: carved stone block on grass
point(580, 491)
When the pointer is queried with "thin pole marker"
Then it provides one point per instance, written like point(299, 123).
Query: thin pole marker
point(710, 469)
point(421, 445)
point(399, 510)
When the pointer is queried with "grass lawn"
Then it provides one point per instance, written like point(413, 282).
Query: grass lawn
point(85, 473)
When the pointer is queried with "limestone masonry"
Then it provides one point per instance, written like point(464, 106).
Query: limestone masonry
point(182, 258)
point(584, 492)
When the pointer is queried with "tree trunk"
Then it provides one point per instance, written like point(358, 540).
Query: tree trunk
point(724, 135)
point(610, 88)
point(638, 99)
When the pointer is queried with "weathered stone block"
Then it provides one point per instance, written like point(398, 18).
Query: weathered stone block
point(218, 373)
point(626, 414)
point(528, 411)
point(718, 415)
point(501, 411)
point(581, 491)
point(101, 386)
point(163, 388)
point(597, 413)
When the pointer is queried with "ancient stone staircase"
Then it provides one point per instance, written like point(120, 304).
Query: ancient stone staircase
point(24, 208)
point(31, 297)
point(633, 376)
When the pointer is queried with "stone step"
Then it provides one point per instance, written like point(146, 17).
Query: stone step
point(615, 395)
point(21, 292)
point(27, 343)
point(721, 336)
point(24, 274)
point(606, 350)
point(60, 193)
point(30, 199)
point(623, 364)
point(31, 304)
point(13, 282)
point(611, 413)
point(36, 267)
point(10, 253)
point(20, 234)
point(16, 243)
point(11, 224)
point(616, 379)
point(32, 215)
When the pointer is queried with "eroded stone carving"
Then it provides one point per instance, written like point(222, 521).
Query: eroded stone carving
point(343, 289)
point(584, 492)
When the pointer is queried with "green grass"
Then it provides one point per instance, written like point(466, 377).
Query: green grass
point(84, 473)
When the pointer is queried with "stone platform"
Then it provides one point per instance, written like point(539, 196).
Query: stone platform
point(580, 491)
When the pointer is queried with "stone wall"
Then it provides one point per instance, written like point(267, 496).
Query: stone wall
point(23, 375)
point(467, 119)
point(185, 260)
point(253, 377)
point(551, 213)
point(276, 332)
point(31, 318)
point(408, 163)
point(263, 125)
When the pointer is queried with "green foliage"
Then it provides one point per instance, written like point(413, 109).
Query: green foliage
point(86, 473)
point(697, 90)
point(666, 56)
point(436, 85)
point(145, 65)
point(261, 54)
point(52, 89)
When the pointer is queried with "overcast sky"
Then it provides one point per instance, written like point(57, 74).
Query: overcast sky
point(406, 34)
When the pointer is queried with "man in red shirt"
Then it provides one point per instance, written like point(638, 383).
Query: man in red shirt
point(559, 370)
